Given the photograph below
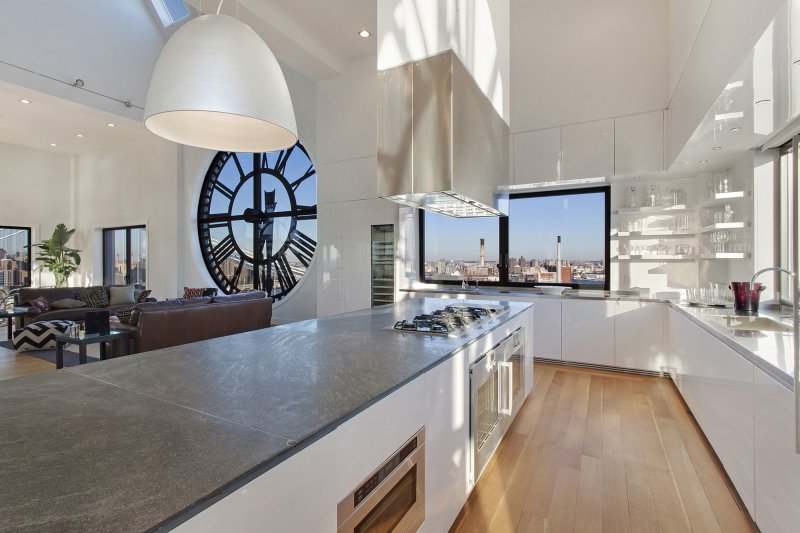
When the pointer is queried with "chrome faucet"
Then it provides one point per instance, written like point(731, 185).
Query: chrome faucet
point(785, 271)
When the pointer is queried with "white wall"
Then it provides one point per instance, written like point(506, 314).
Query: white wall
point(476, 30)
point(347, 184)
point(133, 184)
point(580, 60)
point(38, 193)
point(112, 46)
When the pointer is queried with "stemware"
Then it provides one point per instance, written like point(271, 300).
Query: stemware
point(723, 238)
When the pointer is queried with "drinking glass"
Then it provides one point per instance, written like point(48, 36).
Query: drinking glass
point(722, 238)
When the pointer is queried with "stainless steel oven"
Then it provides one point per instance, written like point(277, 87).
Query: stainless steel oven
point(497, 391)
point(392, 497)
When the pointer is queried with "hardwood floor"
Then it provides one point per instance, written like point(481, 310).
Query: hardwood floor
point(603, 451)
point(13, 364)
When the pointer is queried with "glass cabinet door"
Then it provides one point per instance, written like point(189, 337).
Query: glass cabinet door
point(382, 264)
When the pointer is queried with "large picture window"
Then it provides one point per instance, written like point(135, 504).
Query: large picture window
point(548, 238)
point(15, 259)
point(125, 256)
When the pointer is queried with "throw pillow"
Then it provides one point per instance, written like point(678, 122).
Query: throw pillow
point(124, 313)
point(192, 293)
point(39, 303)
point(121, 295)
point(40, 335)
point(67, 303)
point(94, 297)
point(141, 295)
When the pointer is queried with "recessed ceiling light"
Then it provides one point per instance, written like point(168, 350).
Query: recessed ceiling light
point(736, 129)
point(24, 101)
point(717, 148)
point(53, 145)
point(111, 125)
point(364, 33)
point(79, 135)
point(703, 161)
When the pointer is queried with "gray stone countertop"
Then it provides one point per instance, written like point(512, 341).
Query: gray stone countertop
point(521, 292)
point(147, 441)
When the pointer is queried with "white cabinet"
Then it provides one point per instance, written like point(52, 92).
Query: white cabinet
point(587, 333)
point(344, 244)
point(639, 336)
point(776, 463)
point(588, 149)
point(537, 156)
point(639, 143)
point(547, 328)
point(717, 385)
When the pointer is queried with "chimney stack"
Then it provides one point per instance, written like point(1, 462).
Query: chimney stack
point(483, 256)
point(558, 259)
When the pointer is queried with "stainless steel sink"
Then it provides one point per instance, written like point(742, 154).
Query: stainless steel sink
point(751, 323)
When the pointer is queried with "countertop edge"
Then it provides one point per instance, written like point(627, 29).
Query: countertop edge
point(225, 490)
point(493, 293)
point(768, 368)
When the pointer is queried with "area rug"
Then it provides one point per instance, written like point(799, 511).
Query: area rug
point(70, 358)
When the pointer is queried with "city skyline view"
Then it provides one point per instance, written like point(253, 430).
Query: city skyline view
point(469, 249)
point(534, 224)
point(14, 257)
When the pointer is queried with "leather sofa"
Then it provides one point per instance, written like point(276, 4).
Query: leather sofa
point(51, 294)
point(181, 321)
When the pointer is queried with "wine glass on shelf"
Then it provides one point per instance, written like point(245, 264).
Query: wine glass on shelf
point(723, 238)
point(713, 238)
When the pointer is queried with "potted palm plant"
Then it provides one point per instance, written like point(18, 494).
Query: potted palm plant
point(57, 257)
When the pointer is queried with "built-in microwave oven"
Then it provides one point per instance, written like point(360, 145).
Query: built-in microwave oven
point(392, 497)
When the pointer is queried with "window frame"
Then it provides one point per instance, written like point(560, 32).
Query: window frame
point(128, 262)
point(29, 231)
point(503, 239)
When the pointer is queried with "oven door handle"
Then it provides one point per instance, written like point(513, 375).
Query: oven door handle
point(506, 389)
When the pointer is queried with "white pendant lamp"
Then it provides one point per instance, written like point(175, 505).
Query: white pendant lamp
point(217, 85)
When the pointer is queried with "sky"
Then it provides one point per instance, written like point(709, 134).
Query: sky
point(534, 224)
point(306, 194)
point(14, 241)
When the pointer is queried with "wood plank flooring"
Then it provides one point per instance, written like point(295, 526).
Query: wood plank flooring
point(13, 364)
point(603, 451)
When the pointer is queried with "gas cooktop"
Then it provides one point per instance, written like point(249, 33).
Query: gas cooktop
point(453, 320)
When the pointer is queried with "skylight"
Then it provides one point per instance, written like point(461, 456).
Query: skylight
point(170, 11)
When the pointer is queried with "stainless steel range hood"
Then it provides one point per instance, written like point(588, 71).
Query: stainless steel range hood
point(442, 146)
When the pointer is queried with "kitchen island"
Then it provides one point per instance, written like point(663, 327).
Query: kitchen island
point(151, 440)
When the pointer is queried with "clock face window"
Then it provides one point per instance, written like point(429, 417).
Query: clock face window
point(257, 220)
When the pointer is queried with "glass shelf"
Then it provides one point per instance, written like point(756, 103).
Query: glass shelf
point(655, 233)
point(656, 257)
point(726, 255)
point(651, 210)
point(724, 225)
point(722, 198)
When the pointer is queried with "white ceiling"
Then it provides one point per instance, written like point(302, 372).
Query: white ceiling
point(48, 119)
point(315, 37)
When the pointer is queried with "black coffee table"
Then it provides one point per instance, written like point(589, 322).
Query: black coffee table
point(10, 315)
point(86, 339)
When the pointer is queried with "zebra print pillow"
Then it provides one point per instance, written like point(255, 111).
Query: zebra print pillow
point(40, 335)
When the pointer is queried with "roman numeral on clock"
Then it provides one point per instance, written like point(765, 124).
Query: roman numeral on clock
point(302, 246)
point(222, 250)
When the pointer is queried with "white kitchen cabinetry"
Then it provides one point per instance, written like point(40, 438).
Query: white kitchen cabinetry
point(344, 235)
point(587, 333)
point(717, 385)
point(639, 336)
point(547, 328)
point(588, 149)
point(777, 466)
point(639, 143)
point(537, 156)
